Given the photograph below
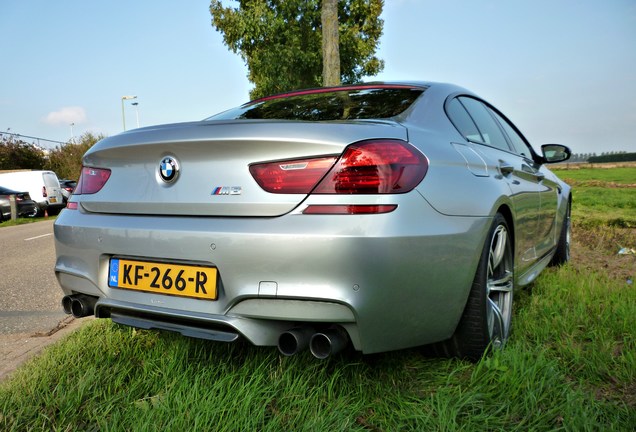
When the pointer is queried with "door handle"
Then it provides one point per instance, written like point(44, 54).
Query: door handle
point(538, 175)
point(505, 168)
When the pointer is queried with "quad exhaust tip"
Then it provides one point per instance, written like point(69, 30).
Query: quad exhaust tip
point(79, 305)
point(328, 342)
point(294, 340)
point(322, 344)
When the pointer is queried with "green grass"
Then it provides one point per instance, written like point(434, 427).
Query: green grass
point(597, 206)
point(625, 175)
point(22, 221)
point(569, 365)
point(587, 321)
point(602, 197)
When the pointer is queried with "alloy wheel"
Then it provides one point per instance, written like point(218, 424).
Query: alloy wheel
point(499, 286)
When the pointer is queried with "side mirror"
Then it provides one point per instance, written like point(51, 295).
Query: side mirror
point(553, 153)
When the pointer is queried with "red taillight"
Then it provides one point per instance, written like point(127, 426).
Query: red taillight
point(375, 167)
point(368, 167)
point(291, 177)
point(44, 194)
point(91, 180)
point(72, 205)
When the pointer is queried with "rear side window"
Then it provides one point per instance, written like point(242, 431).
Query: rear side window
point(462, 121)
point(320, 105)
point(518, 142)
point(490, 131)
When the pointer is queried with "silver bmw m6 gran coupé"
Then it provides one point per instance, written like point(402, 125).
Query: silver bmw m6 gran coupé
point(378, 216)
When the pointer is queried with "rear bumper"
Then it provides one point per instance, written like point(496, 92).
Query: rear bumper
point(45, 205)
point(392, 281)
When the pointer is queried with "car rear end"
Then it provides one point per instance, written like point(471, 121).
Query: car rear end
point(52, 191)
point(24, 205)
point(67, 188)
point(279, 231)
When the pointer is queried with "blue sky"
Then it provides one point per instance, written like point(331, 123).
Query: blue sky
point(563, 70)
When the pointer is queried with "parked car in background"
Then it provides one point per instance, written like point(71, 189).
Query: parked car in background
point(26, 207)
point(68, 186)
point(43, 187)
point(380, 216)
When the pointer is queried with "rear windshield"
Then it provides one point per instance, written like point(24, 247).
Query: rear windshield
point(320, 105)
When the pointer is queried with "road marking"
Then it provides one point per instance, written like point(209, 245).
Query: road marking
point(37, 237)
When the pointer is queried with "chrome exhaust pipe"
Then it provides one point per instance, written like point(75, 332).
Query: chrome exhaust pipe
point(294, 340)
point(328, 342)
point(79, 305)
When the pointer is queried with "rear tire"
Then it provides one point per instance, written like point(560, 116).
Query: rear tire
point(488, 312)
point(33, 213)
point(562, 253)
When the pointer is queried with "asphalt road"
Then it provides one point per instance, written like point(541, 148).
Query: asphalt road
point(29, 293)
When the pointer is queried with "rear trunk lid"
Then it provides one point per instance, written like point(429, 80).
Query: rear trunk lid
point(213, 159)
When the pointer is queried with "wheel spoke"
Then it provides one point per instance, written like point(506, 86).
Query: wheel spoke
point(498, 248)
point(504, 284)
point(495, 321)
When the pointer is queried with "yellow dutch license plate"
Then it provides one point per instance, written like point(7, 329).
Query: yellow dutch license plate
point(161, 278)
point(53, 200)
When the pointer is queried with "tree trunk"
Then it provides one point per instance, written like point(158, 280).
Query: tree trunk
point(330, 44)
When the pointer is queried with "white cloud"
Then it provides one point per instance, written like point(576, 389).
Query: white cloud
point(66, 116)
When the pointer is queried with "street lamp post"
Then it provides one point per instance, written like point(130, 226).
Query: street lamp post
point(123, 115)
point(72, 135)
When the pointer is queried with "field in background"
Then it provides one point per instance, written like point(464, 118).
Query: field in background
point(603, 197)
point(586, 165)
point(570, 364)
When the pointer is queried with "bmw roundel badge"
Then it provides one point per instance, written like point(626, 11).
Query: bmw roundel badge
point(168, 169)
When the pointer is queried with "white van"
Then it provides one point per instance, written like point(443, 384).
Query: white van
point(43, 186)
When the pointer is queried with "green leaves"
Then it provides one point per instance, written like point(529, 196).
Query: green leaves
point(66, 160)
point(17, 154)
point(281, 41)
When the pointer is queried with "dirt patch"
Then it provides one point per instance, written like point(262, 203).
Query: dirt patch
point(618, 392)
point(598, 249)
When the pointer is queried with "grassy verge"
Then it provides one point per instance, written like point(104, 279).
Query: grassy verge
point(570, 364)
point(22, 221)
